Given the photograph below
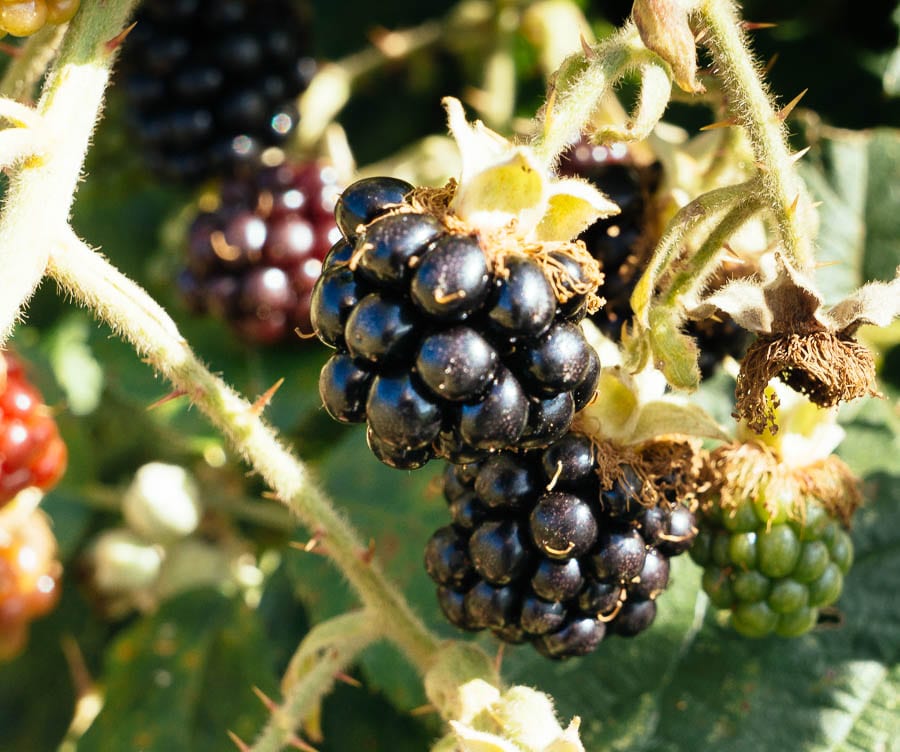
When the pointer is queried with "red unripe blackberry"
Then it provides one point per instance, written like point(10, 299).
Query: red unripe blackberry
point(29, 578)
point(211, 83)
point(463, 357)
point(254, 258)
point(32, 453)
point(534, 555)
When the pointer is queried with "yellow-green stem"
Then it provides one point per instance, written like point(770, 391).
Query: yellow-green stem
point(330, 647)
point(572, 106)
point(700, 265)
point(134, 315)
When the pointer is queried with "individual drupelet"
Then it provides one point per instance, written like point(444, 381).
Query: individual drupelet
point(437, 351)
point(772, 572)
point(211, 83)
point(537, 552)
point(254, 257)
point(22, 19)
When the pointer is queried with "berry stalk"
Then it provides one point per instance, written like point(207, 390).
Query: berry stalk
point(750, 105)
point(40, 192)
point(134, 315)
point(570, 107)
point(695, 273)
point(325, 651)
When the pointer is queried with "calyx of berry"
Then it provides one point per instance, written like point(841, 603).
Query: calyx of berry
point(520, 720)
point(631, 408)
point(505, 187)
point(809, 347)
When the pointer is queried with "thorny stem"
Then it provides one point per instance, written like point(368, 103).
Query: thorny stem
point(26, 68)
point(751, 106)
point(134, 315)
point(329, 648)
point(695, 273)
point(571, 108)
point(671, 245)
point(41, 191)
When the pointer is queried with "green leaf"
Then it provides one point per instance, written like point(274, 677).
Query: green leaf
point(856, 176)
point(181, 678)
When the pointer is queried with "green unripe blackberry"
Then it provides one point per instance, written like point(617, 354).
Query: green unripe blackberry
point(772, 575)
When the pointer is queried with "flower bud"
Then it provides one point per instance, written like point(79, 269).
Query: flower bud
point(123, 562)
point(664, 28)
point(161, 503)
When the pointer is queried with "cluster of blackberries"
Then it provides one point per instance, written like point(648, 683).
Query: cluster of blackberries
point(212, 82)
point(773, 573)
point(32, 453)
point(538, 552)
point(254, 258)
point(438, 353)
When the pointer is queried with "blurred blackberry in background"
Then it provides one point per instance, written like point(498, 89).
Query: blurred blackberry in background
point(623, 244)
point(210, 83)
point(437, 351)
point(537, 552)
point(254, 255)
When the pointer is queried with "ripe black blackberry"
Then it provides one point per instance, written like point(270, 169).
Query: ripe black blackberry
point(211, 83)
point(537, 552)
point(439, 351)
point(254, 258)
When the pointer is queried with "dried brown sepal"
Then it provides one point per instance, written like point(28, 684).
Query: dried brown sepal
point(734, 473)
point(667, 467)
point(501, 245)
point(824, 366)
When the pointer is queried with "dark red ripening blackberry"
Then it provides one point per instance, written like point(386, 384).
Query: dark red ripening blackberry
point(534, 555)
point(460, 361)
point(210, 83)
point(254, 258)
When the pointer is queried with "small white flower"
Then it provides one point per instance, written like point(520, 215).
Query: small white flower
point(162, 504)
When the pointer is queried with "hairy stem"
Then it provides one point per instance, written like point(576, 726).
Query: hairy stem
point(26, 68)
point(572, 104)
point(752, 107)
point(700, 265)
point(133, 314)
point(329, 648)
point(671, 245)
point(41, 191)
